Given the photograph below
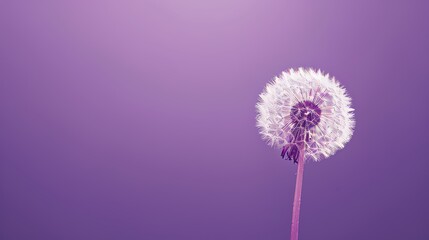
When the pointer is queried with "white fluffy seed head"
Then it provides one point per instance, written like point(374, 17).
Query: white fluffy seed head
point(294, 86)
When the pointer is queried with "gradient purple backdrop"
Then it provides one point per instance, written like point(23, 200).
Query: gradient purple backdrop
point(136, 119)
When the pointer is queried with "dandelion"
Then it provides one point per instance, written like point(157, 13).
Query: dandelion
point(307, 115)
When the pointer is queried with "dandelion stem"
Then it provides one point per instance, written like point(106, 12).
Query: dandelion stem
point(297, 197)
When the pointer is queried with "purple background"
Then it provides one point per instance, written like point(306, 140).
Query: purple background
point(136, 119)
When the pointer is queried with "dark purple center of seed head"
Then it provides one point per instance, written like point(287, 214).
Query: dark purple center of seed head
point(305, 114)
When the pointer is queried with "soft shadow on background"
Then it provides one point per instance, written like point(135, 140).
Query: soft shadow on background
point(136, 119)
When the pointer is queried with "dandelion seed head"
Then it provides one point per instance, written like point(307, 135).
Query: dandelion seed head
point(305, 109)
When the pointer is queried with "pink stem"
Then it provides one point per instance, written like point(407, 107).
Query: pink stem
point(297, 197)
